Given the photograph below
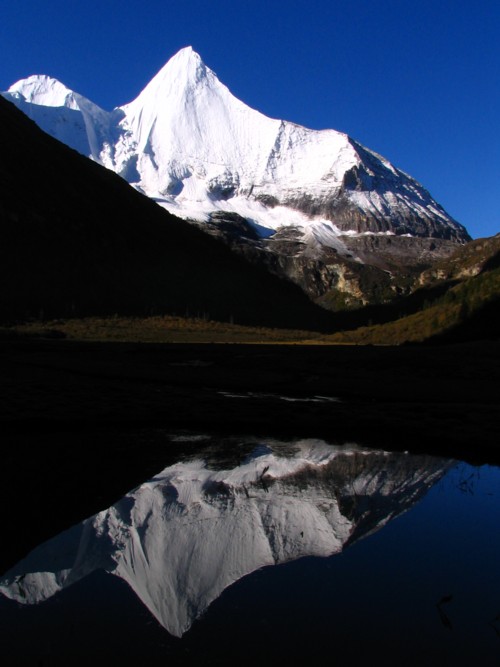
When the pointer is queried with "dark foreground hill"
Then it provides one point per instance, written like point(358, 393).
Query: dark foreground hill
point(76, 240)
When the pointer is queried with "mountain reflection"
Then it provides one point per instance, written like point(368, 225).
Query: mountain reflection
point(194, 529)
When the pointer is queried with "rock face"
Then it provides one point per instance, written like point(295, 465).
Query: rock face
point(362, 269)
point(470, 260)
point(318, 200)
point(375, 197)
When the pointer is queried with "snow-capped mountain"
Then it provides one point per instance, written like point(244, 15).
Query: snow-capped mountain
point(190, 144)
point(183, 537)
point(314, 206)
point(64, 114)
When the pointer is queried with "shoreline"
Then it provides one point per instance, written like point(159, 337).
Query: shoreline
point(432, 399)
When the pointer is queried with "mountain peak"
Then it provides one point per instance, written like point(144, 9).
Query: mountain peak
point(184, 61)
point(186, 141)
point(181, 74)
point(186, 54)
point(185, 66)
point(44, 90)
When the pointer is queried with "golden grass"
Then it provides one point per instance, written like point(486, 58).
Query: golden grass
point(443, 314)
point(159, 329)
point(461, 301)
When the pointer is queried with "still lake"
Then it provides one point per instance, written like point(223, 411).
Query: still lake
point(260, 550)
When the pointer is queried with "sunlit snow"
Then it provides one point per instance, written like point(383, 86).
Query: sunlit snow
point(188, 143)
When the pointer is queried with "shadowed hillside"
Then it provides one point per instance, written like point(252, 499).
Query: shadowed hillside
point(76, 240)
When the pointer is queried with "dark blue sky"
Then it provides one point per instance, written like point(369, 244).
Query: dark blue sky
point(415, 80)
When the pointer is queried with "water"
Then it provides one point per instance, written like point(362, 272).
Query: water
point(272, 552)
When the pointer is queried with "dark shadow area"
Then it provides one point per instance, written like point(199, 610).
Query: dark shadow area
point(492, 263)
point(76, 240)
point(481, 324)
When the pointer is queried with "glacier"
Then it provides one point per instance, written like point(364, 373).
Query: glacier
point(194, 148)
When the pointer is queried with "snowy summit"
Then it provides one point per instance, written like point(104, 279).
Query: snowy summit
point(187, 142)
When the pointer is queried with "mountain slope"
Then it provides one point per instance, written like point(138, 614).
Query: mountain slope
point(75, 239)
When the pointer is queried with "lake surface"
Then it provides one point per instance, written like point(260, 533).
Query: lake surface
point(271, 551)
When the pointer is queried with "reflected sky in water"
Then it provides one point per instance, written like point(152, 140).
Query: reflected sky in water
point(267, 541)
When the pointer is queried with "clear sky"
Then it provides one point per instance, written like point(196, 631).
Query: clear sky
point(418, 81)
